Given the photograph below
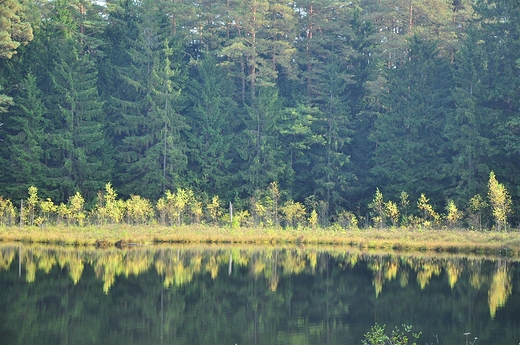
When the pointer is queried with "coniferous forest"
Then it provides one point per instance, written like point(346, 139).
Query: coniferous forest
point(332, 100)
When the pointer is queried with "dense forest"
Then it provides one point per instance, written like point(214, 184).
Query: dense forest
point(329, 99)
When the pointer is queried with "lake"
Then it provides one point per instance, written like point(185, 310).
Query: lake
point(231, 295)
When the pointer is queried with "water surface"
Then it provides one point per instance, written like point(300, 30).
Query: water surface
point(251, 295)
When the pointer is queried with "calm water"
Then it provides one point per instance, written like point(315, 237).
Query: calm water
point(250, 295)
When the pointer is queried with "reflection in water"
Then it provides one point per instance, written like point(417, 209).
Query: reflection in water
point(249, 295)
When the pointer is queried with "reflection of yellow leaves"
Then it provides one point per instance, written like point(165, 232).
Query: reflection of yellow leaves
point(454, 272)
point(76, 270)
point(273, 283)
point(476, 280)
point(293, 263)
point(376, 266)
point(313, 259)
point(425, 273)
point(30, 268)
point(136, 262)
point(353, 260)
point(46, 262)
point(108, 282)
point(377, 282)
point(403, 278)
point(257, 267)
point(500, 289)
point(212, 267)
point(391, 269)
point(6, 257)
point(107, 266)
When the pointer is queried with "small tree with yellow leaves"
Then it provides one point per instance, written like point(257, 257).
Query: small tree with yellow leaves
point(378, 209)
point(500, 202)
point(392, 212)
point(76, 212)
point(48, 209)
point(7, 212)
point(428, 213)
point(476, 205)
point(453, 214)
point(404, 204)
point(294, 213)
point(313, 219)
point(214, 209)
point(32, 202)
point(108, 208)
point(172, 206)
point(138, 210)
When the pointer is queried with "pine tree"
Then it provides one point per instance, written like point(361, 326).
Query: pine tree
point(14, 29)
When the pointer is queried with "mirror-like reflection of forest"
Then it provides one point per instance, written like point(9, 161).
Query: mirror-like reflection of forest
point(250, 295)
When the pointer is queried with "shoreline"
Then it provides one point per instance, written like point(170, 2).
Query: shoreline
point(400, 239)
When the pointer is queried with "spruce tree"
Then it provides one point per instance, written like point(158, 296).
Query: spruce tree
point(144, 100)
point(212, 125)
point(411, 151)
point(27, 140)
point(77, 152)
point(325, 58)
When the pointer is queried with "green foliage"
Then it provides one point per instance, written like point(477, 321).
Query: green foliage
point(327, 99)
point(377, 336)
point(14, 28)
point(476, 206)
point(347, 219)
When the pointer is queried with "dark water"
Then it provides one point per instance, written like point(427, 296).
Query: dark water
point(251, 295)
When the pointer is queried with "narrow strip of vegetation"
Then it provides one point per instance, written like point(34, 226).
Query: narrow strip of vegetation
point(181, 216)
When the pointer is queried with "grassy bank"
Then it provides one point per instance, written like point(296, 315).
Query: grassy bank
point(451, 240)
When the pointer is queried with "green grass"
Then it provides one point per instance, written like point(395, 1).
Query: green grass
point(445, 240)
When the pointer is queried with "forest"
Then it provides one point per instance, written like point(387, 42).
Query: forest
point(332, 101)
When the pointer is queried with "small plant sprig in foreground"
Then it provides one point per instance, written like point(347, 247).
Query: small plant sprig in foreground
point(377, 336)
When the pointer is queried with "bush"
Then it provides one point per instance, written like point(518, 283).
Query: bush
point(378, 336)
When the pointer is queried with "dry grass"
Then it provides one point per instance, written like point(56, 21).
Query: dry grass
point(446, 240)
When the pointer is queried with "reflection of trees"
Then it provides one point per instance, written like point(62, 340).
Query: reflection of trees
point(207, 295)
point(179, 266)
point(7, 256)
point(425, 270)
point(500, 288)
point(385, 269)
